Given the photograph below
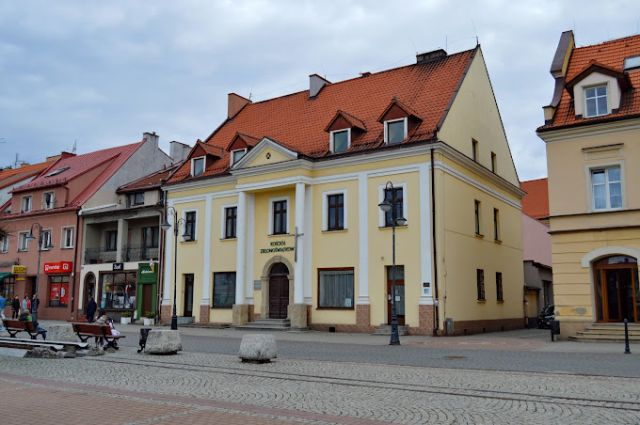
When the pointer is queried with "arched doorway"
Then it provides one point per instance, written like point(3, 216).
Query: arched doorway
point(278, 291)
point(616, 288)
point(89, 288)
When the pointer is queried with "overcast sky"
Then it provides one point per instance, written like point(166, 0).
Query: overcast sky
point(101, 73)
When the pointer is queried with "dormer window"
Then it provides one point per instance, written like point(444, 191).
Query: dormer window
point(236, 155)
point(26, 204)
point(197, 166)
point(48, 200)
point(340, 140)
point(395, 131)
point(596, 101)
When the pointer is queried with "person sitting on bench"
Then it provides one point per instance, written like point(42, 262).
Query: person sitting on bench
point(25, 316)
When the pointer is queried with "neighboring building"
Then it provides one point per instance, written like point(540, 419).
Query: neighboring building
point(122, 249)
point(53, 200)
point(14, 177)
point(538, 287)
point(592, 138)
point(280, 206)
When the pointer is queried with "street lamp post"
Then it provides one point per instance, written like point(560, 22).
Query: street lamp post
point(176, 228)
point(34, 308)
point(390, 206)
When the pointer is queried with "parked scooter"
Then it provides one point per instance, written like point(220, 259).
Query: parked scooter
point(546, 316)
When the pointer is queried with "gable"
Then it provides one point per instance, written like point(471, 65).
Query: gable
point(266, 152)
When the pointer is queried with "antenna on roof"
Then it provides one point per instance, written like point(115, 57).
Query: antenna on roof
point(75, 143)
point(445, 43)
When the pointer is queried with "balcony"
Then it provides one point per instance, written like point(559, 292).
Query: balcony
point(139, 253)
point(99, 255)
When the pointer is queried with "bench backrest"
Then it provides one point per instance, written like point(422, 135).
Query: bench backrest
point(85, 328)
point(18, 324)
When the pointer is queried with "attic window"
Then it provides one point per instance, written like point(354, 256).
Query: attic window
point(236, 155)
point(57, 171)
point(395, 131)
point(197, 166)
point(340, 140)
point(631, 63)
point(596, 101)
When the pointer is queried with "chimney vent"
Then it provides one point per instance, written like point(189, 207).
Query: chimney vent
point(235, 104)
point(365, 74)
point(430, 56)
point(316, 83)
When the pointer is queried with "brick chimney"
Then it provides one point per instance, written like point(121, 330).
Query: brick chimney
point(431, 56)
point(150, 137)
point(316, 83)
point(235, 104)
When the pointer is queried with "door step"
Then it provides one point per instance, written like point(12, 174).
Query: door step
point(268, 324)
point(386, 330)
point(607, 332)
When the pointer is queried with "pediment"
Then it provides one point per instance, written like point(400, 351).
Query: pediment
point(267, 151)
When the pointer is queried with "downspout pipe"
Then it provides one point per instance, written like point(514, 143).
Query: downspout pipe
point(436, 318)
point(76, 266)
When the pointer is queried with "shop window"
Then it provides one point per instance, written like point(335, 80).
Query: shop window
point(7, 288)
point(224, 289)
point(335, 288)
point(118, 291)
point(58, 291)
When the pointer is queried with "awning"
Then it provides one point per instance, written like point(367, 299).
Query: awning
point(5, 274)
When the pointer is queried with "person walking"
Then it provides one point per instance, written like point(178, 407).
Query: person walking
point(24, 307)
point(3, 303)
point(35, 303)
point(15, 304)
point(91, 310)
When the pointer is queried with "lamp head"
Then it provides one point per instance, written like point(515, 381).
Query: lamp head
point(165, 225)
point(401, 221)
point(385, 206)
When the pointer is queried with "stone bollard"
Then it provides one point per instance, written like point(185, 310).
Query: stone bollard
point(258, 348)
point(63, 332)
point(163, 341)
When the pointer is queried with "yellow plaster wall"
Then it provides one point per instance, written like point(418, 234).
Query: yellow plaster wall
point(223, 254)
point(274, 156)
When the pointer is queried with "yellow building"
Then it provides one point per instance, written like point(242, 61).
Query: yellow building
point(591, 133)
point(280, 217)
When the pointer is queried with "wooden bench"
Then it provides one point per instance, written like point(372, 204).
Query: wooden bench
point(17, 326)
point(86, 331)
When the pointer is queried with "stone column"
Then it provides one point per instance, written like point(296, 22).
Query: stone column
point(205, 302)
point(363, 309)
point(121, 241)
point(167, 293)
point(298, 311)
point(240, 308)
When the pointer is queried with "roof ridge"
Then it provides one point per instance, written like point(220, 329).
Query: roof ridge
point(613, 40)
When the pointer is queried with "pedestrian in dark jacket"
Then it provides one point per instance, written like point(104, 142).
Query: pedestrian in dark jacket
point(15, 305)
point(91, 310)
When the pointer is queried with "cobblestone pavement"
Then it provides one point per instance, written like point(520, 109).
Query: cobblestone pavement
point(128, 388)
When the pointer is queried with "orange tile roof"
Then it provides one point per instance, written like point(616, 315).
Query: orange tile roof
point(536, 202)
point(611, 55)
point(153, 180)
point(14, 175)
point(299, 123)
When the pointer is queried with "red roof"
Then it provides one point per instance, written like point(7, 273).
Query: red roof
point(13, 175)
point(610, 56)
point(299, 122)
point(536, 202)
point(151, 181)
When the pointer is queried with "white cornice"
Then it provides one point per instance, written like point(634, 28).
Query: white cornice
point(595, 129)
point(198, 184)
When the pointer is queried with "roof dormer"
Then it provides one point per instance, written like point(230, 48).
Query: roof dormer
point(342, 128)
point(239, 146)
point(201, 156)
point(597, 90)
point(399, 121)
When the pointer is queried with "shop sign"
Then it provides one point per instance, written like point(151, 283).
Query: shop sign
point(118, 267)
point(58, 267)
point(18, 269)
point(147, 272)
point(276, 246)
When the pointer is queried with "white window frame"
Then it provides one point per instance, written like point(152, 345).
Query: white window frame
point(48, 246)
point(204, 165)
point(231, 161)
point(271, 201)
point(223, 221)
point(184, 223)
point(331, 141)
point(595, 86)
point(386, 129)
point(44, 202)
point(405, 203)
point(23, 236)
point(24, 198)
point(63, 238)
point(592, 204)
point(4, 244)
point(325, 206)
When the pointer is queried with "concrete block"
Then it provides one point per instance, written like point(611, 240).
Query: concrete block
point(63, 332)
point(258, 348)
point(163, 341)
point(12, 352)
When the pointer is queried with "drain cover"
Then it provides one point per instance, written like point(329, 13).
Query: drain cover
point(454, 357)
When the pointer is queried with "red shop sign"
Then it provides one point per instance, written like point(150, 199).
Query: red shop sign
point(58, 267)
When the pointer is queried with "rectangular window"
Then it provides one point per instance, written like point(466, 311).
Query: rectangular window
point(494, 165)
point(474, 149)
point(136, 199)
point(23, 241)
point(224, 289)
point(396, 197)
point(117, 290)
point(279, 217)
point(26, 204)
point(335, 212)
point(190, 226)
point(111, 240)
point(58, 291)
point(197, 166)
point(150, 237)
point(606, 188)
point(67, 237)
point(596, 101)
point(340, 141)
point(7, 288)
point(480, 284)
point(499, 293)
point(335, 288)
point(48, 200)
point(45, 240)
point(230, 220)
point(395, 131)
point(4, 243)
point(496, 224)
point(237, 155)
point(477, 216)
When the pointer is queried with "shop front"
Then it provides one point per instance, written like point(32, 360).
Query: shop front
point(56, 290)
point(117, 294)
point(147, 290)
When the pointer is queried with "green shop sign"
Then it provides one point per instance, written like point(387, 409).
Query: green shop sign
point(147, 272)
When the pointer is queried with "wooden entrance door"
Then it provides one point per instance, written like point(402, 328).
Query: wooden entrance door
point(397, 291)
point(188, 295)
point(616, 289)
point(278, 292)
point(147, 299)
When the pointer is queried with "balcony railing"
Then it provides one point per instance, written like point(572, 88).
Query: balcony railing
point(139, 253)
point(99, 255)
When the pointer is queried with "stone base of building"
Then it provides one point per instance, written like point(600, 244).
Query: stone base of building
point(253, 316)
point(571, 328)
point(425, 321)
point(165, 314)
point(240, 314)
point(205, 309)
point(468, 327)
point(297, 314)
point(363, 317)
